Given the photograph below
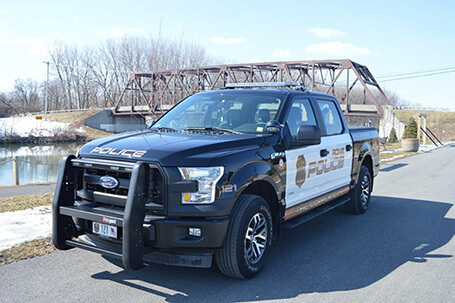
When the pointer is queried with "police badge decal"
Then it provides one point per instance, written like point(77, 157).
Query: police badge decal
point(300, 175)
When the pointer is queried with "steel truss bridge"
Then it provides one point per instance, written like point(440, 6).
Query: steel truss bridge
point(153, 93)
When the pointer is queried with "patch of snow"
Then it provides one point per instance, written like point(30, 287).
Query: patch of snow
point(393, 158)
point(25, 126)
point(422, 149)
point(426, 148)
point(25, 225)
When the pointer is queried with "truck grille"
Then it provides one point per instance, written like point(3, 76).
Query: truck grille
point(95, 174)
point(89, 172)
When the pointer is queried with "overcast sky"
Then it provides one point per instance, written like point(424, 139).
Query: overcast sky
point(387, 36)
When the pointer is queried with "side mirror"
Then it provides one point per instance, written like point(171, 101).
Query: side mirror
point(308, 135)
point(149, 123)
point(273, 126)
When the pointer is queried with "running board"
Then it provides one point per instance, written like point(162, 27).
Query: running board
point(315, 212)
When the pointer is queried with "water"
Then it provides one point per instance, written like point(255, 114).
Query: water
point(50, 155)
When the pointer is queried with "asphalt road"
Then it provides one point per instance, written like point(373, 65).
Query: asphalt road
point(401, 250)
point(22, 190)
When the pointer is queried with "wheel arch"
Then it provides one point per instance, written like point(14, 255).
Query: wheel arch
point(365, 158)
point(261, 179)
point(368, 162)
point(266, 191)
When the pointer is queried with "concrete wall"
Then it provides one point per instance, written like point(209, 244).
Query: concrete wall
point(388, 121)
point(106, 121)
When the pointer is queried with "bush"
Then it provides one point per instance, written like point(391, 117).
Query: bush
point(410, 131)
point(393, 136)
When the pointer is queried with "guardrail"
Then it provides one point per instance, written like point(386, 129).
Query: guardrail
point(67, 111)
point(15, 161)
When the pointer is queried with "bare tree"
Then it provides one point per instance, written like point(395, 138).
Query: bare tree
point(56, 95)
point(26, 95)
point(88, 76)
point(6, 108)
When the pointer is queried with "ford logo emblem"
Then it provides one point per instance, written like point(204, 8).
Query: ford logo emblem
point(108, 182)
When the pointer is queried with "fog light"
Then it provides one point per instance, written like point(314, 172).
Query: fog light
point(196, 232)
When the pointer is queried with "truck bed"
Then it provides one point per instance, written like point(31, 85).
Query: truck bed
point(363, 133)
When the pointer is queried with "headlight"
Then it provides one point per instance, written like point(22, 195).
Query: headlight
point(207, 178)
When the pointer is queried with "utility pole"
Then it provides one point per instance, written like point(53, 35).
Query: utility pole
point(46, 91)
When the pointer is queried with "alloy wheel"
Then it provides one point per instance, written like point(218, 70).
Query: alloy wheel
point(256, 238)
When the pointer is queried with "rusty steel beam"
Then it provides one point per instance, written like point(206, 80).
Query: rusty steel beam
point(155, 92)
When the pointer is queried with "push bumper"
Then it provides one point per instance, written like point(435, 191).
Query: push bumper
point(142, 238)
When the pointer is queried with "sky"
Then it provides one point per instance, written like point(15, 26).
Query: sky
point(387, 36)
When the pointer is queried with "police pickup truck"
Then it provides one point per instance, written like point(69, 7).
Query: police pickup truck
point(220, 175)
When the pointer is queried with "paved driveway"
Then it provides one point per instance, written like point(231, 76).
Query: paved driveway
point(401, 250)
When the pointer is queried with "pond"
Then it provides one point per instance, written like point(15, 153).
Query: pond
point(36, 163)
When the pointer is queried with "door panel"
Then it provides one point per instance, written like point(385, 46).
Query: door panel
point(309, 175)
point(299, 186)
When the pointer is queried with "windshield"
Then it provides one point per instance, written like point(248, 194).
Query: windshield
point(229, 110)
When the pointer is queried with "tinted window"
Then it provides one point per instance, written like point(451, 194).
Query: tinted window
point(247, 113)
point(331, 117)
point(300, 113)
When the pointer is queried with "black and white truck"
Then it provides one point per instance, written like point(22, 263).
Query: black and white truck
point(220, 175)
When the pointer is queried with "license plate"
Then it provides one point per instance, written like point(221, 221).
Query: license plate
point(104, 230)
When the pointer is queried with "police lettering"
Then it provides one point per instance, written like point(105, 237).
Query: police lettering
point(327, 165)
point(130, 153)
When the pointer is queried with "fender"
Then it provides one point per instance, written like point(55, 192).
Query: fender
point(364, 151)
point(248, 173)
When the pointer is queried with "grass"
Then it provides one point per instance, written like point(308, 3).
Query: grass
point(436, 121)
point(384, 157)
point(77, 121)
point(390, 146)
point(24, 202)
point(388, 156)
point(27, 250)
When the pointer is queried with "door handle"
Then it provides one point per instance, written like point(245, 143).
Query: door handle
point(348, 147)
point(324, 152)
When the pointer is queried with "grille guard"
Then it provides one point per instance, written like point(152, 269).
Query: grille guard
point(64, 229)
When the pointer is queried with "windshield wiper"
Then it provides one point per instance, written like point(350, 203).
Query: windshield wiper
point(214, 128)
point(164, 128)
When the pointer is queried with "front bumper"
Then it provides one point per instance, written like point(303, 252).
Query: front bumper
point(142, 238)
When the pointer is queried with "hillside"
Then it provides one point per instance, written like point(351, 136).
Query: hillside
point(436, 121)
point(77, 121)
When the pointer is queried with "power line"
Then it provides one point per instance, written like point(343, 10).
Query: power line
point(418, 76)
point(409, 75)
point(415, 72)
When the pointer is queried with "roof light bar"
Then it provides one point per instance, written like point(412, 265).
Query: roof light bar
point(294, 85)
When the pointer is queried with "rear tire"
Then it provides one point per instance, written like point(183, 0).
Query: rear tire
point(361, 193)
point(248, 239)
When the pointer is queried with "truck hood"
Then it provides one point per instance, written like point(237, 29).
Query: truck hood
point(170, 148)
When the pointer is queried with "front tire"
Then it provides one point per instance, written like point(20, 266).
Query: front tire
point(361, 193)
point(248, 239)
